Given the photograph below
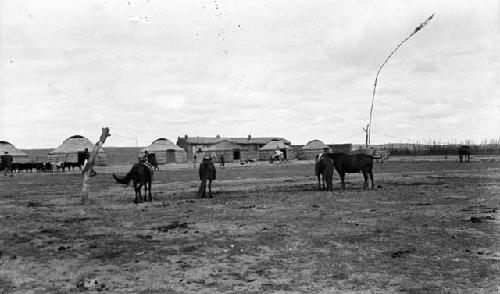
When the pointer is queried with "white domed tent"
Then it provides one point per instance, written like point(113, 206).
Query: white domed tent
point(270, 148)
point(17, 155)
point(313, 148)
point(68, 151)
point(166, 151)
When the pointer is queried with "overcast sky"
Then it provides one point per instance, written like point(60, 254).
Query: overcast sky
point(301, 70)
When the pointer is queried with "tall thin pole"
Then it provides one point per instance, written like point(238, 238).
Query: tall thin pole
point(385, 61)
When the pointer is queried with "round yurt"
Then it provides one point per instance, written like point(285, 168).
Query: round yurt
point(313, 148)
point(230, 150)
point(17, 155)
point(166, 151)
point(270, 149)
point(69, 149)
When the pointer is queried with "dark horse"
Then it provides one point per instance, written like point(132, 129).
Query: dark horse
point(353, 163)
point(207, 172)
point(464, 153)
point(324, 167)
point(152, 160)
point(141, 175)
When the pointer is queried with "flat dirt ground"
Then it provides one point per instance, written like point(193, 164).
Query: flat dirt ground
point(430, 226)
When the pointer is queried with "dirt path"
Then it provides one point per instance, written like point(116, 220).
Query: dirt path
point(429, 227)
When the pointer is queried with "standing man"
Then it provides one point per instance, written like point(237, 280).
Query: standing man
point(222, 160)
point(86, 156)
point(6, 160)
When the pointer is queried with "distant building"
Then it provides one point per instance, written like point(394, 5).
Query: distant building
point(272, 146)
point(166, 151)
point(346, 148)
point(68, 150)
point(249, 147)
point(313, 148)
point(17, 155)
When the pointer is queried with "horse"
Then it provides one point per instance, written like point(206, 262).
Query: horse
point(153, 162)
point(353, 163)
point(464, 151)
point(141, 175)
point(324, 166)
point(207, 172)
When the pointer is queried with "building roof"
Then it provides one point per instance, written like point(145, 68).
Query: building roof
point(275, 145)
point(223, 145)
point(7, 147)
point(162, 144)
point(74, 144)
point(241, 141)
point(315, 144)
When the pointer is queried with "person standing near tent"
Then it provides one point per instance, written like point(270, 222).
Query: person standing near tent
point(6, 160)
point(194, 161)
point(86, 157)
point(222, 160)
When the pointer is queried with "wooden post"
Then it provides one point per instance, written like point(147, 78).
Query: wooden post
point(366, 135)
point(88, 167)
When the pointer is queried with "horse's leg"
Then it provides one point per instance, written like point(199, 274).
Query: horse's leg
point(371, 176)
point(139, 188)
point(319, 182)
point(342, 177)
point(365, 176)
point(136, 199)
point(150, 196)
point(202, 188)
point(210, 188)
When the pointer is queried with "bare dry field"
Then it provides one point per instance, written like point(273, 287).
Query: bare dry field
point(430, 226)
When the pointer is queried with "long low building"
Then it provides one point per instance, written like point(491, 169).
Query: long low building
point(248, 148)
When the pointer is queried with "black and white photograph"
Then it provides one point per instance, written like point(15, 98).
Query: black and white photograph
point(235, 146)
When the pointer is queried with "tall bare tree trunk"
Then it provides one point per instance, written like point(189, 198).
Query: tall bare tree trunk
point(88, 167)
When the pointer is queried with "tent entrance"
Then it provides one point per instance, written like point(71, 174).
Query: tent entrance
point(236, 155)
point(170, 156)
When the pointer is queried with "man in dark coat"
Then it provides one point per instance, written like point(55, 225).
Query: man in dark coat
point(86, 156)
point(222, 161)
point(207, 172)
point(6, 160)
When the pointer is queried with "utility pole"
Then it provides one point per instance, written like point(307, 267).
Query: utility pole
point(385, 61)
point(88, 167)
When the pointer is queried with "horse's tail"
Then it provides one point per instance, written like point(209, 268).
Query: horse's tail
point(124, 180)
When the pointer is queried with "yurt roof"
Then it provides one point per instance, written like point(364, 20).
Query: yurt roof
point(222, 146)
point(162, 144)
point(74, 143)
point(315, 144)
point(274, 145)
point(7, 147)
